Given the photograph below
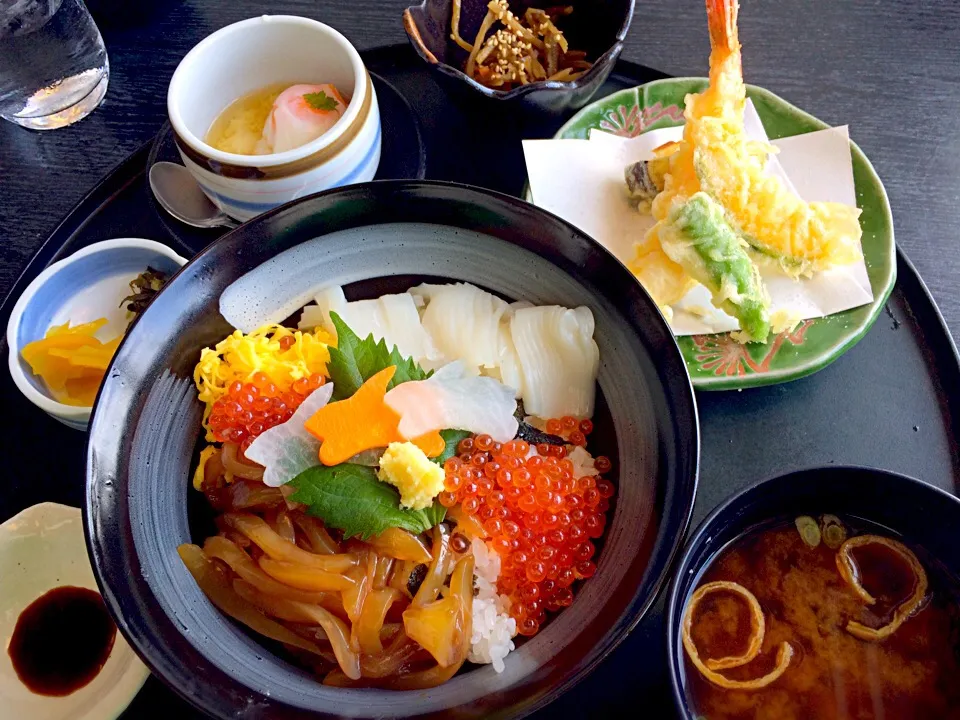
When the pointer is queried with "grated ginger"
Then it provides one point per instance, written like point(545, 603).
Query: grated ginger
point(406, 467)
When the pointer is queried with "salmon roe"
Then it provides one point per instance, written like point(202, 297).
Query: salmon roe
point(248, 409)
point(539, 518)
point(570, 429)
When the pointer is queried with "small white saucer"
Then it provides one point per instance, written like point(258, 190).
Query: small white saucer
point(40, 549)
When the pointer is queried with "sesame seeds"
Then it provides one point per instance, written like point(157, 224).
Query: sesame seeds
point(519, 51)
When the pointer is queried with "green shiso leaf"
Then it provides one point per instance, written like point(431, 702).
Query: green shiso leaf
point(320, 101)
point(352, 499)
point(451, 439)
point(354, 361)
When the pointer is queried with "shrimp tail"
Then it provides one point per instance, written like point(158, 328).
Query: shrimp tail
point(727, 93)
point(722, 23)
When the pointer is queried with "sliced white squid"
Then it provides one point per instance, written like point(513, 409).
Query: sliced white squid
point(454, 398)
point(508, 371)
point(557, 358)
point(287, 449)
point(393, 318)
point(318, 315)
point(463, 322)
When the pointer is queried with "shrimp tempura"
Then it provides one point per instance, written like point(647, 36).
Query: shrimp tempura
point(716, 157)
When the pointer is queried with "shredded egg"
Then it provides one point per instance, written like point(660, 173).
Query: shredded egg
point(282, 354)
point(205, 455)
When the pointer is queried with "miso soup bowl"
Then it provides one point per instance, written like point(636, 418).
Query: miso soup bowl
point(253, 54)
point(915, 511)
point(377, 238)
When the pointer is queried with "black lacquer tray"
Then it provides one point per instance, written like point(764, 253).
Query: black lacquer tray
point(890, 402)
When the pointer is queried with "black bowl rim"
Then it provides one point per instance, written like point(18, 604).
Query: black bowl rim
point(601, 66)
point(716, 519)
point(107, 567)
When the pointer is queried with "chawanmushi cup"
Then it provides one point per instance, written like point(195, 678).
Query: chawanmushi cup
point(253, 54)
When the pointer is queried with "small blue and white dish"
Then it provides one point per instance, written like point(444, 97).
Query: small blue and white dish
point(89, 284)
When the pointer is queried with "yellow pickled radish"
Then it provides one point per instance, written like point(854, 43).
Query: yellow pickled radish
point(71, 361)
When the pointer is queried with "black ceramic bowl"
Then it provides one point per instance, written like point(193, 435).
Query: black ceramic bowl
point(374, 238)
point(922, 514)
point(596, 26)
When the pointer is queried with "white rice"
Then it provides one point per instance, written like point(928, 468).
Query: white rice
point(583, 463)
point(534, 421)
point(493, 628)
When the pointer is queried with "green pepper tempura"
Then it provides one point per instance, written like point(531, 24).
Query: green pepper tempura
point(697, 236)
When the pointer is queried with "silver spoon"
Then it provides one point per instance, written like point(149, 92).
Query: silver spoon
point(179, 194)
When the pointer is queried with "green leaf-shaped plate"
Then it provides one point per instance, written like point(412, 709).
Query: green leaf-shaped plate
point(716, 362)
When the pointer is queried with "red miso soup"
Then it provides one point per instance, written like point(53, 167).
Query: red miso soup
point(823, 618)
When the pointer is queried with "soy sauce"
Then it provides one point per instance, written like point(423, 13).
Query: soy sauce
point(62, 640)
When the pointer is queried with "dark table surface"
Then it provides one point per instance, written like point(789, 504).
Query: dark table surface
point(888, 68)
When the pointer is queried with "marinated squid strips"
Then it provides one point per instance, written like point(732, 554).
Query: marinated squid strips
point(393, 611)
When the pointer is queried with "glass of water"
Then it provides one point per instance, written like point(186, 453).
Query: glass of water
point(53, 65)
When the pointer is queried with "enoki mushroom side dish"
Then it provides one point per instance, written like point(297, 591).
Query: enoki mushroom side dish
point(521, 50)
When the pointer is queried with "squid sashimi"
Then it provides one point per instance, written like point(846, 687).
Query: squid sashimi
point(464, 322)
point(402, 319)
point(456, 399)
point(558, 360)
point(392, 318)
point(509, 370)
point(299, 115)
point(318, 315)
point(286, 450)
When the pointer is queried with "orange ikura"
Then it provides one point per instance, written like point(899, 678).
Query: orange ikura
point(250, 408)
point(537, 516)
